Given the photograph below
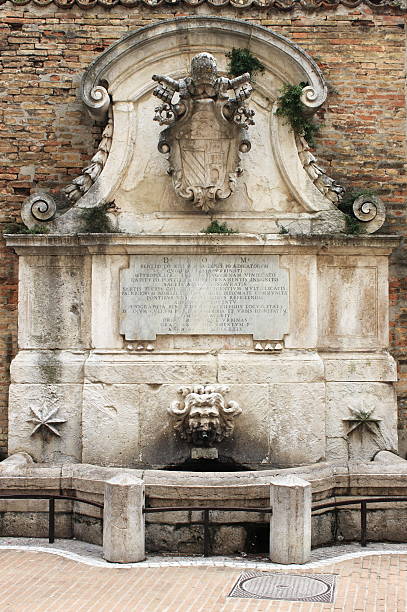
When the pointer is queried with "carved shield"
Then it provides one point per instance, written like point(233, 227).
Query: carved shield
point(205, 157)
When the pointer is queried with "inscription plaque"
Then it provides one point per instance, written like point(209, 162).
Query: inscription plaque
point(204, 294)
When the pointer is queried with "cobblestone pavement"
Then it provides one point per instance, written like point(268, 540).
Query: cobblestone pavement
point(33, 580)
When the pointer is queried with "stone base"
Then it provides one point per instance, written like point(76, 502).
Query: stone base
point(230, 532)
point(294, 406)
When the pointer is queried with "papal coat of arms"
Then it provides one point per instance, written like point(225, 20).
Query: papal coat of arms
point(207, 130)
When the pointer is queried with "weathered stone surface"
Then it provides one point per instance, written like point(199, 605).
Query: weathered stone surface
point(54, 304)
point(152, 369)
point(123, 520)
point(359, 367)
point(382, 525)
point(305, 367)
point(48, 367)
point(30, 524)
point(210, 294)
point(250, 443)
point(110, 424)
point(229, 538)
point(44, 446)
point(342, 396)
point(378, 397)
point(352, 298)
point(297, 428)
point(290, 524)
point(15, 462)
point(106, 301)
point(337, 449)
point(303, 331)
point(174, 538)
point(388, 457)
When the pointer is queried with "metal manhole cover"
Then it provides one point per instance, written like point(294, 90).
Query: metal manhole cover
point(291, 587)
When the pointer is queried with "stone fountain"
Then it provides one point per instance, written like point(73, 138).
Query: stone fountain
point(156, 345)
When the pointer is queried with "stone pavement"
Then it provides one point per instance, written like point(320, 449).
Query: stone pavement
point(33, 578)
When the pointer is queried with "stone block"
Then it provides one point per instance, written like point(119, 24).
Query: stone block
point(359, 367)
point(297, 424)
point(110, 424)
point(254, 368)
point(174, 538)
point(228, 539)
point(290, 526)
point(388, 457)
point(34, 524)
point(383, 525)
point(106, 300)
point(249, 443)
point(337, 449)
point(155, 289)
point(303, 301)
point(353, 302)
point(47, 367)
point(323, 529)
point(87, 529)
point(54, 301)
point(379, 398)
point(44, 445)
point(152, 369)
point(123, 520)
point(159, 444)
point(15, 462)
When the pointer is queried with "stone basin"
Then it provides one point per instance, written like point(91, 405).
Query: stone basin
point(231, 532)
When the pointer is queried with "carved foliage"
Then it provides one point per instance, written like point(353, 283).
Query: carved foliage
point(207, 130)
point(84, 182)
point(326, 185)
point(202, 415)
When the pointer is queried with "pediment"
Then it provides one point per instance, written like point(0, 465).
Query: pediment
point(280, 183)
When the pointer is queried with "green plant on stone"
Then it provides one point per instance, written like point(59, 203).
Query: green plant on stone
point(96, 220)
point(289, 105)
point(350, 195)
point(353, 226)
point(218, 228)
point(20, 228)
point(241, 61)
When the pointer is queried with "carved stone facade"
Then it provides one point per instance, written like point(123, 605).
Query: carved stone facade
point(206, 130)
point(202, 415)
point(206, 135)
point(322, 300)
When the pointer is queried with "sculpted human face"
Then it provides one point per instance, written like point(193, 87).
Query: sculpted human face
point(204, 424)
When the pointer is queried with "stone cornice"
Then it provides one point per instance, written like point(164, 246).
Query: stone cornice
point(126, 244)
point(278, 5)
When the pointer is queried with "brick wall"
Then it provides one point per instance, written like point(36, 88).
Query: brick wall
point(46, 136)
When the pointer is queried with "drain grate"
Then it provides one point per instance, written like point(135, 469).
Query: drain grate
point(290, 587)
